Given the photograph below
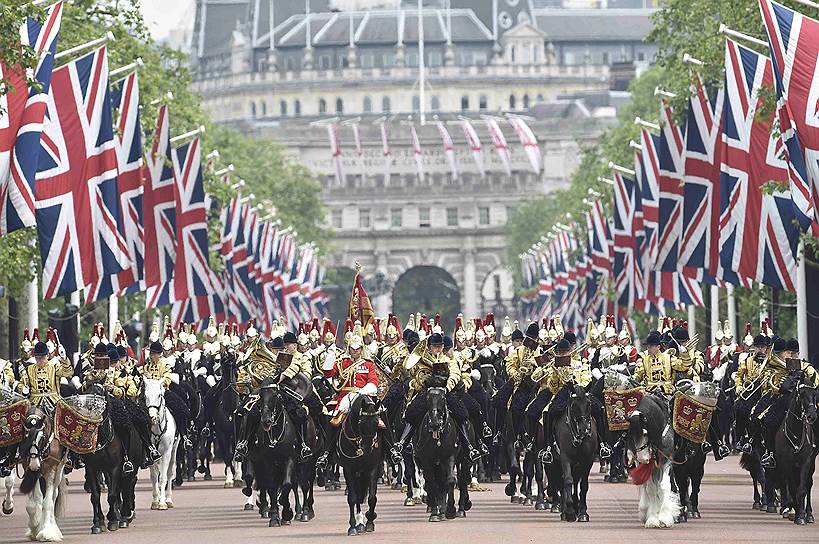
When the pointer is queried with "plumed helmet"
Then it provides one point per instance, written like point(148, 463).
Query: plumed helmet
point(506, 330)
point(727, 331)
point(718, 334)
point(748, 340)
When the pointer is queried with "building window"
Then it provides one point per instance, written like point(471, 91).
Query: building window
point(253, 109)
point(336, 219)
point(540, 98)
point(510, 213)
point(366, 61)
point(464, 103)
point(605, 58)
point(324, 62)
point(385, 104)
point(368, 104)
point(388, 60)
point(289, 65)
point(513, 103)
point(436, 103)
point(480, 58)
point(641, 56)
point(526, 101)
point(396, 217)
point(297, 108)
point(416, 103)
point(364, 218)
point(264, 108)
point(482, 102)
point(423, 217)
point(434, 59)
point(339, 105)
point(513, 55)
point(483, 216)
point(452, 217)
point(322, 105)
point(283, 108)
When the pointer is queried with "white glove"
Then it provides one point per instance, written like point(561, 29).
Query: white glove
point(486, 352)
point(476, 375)
point(596, 374)
point(26, 389)
point(201, 371)
point(329, 360)
point(175, 377)
point(211, 380)
point(75, 381)
point(63, 381)
point(369, 389)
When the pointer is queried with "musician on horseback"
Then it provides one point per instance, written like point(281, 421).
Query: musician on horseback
point(780, 377)
point(41, 381)
point(432, 368)
point(159, 366)
point(747, 382)
point(302, 365)
point(470, 381)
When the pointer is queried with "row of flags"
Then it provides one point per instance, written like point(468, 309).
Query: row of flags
point(113, 219)
point(721, 200)
point(526, 136)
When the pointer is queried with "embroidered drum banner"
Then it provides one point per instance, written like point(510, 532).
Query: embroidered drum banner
point(620, 405)
point(75, 431)
point(13, 422)
point(691, 418)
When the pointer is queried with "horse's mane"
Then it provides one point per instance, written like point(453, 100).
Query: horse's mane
point(656, 418)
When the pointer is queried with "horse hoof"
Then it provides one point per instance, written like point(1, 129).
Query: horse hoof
point(527, 502)
point(248, 507)
point(247, 491)
point(369, 527)
point(509, 489)
point(434, 518)
point(468, 505)
point(696, 515)
point(583, 518)
point(460, 514)
point(513, 500)
point(429, 509)
point(238, 483)
point(419, 500)
point(162, 506)
point(757, 505)
point(263, 513)
point(451, 514)
point(123, 524)
point(208, 477)
point(274, 523)
point(809, 518)
point(286, 523)
point(169, 504)
point(409, 501)
point(800, 521)
point(113, 526)
point(352, 531)
point(8, 511)
point(154, 505)
point(96, 530)
point(540, 506)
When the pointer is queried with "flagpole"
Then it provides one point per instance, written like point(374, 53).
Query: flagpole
point(113, 311)
point(75, 301)
point(421, 63)
point(692, 319)
point(32, 311)
point(714, 312)
point(732, 308)
point(802, 302)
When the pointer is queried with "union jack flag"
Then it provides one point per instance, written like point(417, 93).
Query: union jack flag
point(192, 274)
point(198, 310)
point(21, 122)
point(794, 45)
point(758, 238)
point(647, 167)
point(159, 216)
point(449, 148)
point(77, 207)
point(700, 219)
point(670, 158)
point(624, 266)
point(125, 99)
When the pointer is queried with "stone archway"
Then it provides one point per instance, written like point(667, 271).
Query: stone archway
point(428, 290)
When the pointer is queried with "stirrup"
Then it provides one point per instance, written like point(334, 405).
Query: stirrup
point(745, 446)
point(127, 467)
point(496, 440)
point(605, 451)
point(546, 456)
point(487, 430)
point(240, 451)
point(305, 451)
point(187, 442)
point(4, 471)
point(768, 460)
point(206, 431)
point(153, 454)
point(474, 454)
point(321, 461)
point(396, 453)
point(723, 451)
point(707, 447)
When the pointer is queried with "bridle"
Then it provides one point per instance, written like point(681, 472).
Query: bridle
point(577, 435)
point(277, 419)
point(807, 426)
point(356, 438)
point(162, 415)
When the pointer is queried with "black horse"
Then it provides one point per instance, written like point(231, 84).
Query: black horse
point(360, 454)
point(104, 466)
point(575, 432)
point(794, 449)
point(221, 402)
point(436, 448)
point(273, 454)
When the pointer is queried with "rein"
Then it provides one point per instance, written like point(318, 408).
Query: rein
point(162, 413)
point(807, 428)
point(354, 439)
point(577, 438)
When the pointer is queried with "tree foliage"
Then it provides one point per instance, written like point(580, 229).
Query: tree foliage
point(16, 60)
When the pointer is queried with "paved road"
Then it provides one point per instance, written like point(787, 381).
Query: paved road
point(205, 513)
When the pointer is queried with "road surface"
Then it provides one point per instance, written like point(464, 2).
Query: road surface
point(206, 512)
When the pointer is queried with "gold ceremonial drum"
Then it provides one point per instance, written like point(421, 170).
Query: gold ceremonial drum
point(77, 422)
point(620, 404)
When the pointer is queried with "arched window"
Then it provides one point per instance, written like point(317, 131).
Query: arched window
point(482, 102)
point(385, 104)
point(436, 103)
point(526, 101)
point(264, 108)
point(540, 98)
point(339, 105)
point(252, 109)
point(368, 104)
point(297, 108)
point(512, 56)
point(464, 103)
point(322, 105)
point(283, 108)
point(416, 103)
point(513, 103)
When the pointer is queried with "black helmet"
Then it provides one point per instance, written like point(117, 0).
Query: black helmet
point(436, 339)
point(40, 349)
point(517, 335)
point(563, 345)
point(278, 342)
point(290, 338)
point(447, 342)
point(653, 338)
point(156, 347)
point(571, 337)
point(761, 341)
point(793, 345)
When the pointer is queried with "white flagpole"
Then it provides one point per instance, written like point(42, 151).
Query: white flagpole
point(714, 312)
point(33, 294)
point(113, 311)
point(421, 63)
point(732, 309)
point(692, 319)
point(802, 302)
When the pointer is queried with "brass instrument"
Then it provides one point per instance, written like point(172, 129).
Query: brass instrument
point(749, 390)
point(261, 362)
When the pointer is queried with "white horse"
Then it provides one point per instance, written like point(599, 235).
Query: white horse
point(163, 434)
point(44, 459)
point(8, 499)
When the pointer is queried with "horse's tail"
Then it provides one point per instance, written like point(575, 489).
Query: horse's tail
point(748, 462)
point(29, 480)
point(61, 503)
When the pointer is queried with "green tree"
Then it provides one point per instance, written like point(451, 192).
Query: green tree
point(17, 60)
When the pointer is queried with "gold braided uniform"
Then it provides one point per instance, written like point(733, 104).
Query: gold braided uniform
point(423, 370)
point(43, 380)
point(654, 371)
point(747, 371)
point(519, 364)
point(578, 371)
point(121, 386)
point(159, 369)
point(299, 363)
point(6, 374)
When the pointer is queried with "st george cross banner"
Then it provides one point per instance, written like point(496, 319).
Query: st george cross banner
point(794, 44)
point(76, 190)
point(192, 274)
point(159, 216)
point(128, 140)
point(21, 121)
point(758, 238)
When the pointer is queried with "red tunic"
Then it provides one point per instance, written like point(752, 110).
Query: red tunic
point(363, 374)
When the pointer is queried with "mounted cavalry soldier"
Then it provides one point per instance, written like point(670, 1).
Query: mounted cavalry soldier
point(748, 383)
point(430, 367)
point(40, 381)
point(469, 380)
point(160, 367)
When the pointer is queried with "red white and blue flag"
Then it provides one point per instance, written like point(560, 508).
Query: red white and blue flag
point(21, 121)
point(624, 265)
point(794, 45)
point(77, 207)
point(670, 157)
point(758, 238)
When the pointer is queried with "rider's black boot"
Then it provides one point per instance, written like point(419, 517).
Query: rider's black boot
point(463, 431)
point(305, 449)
